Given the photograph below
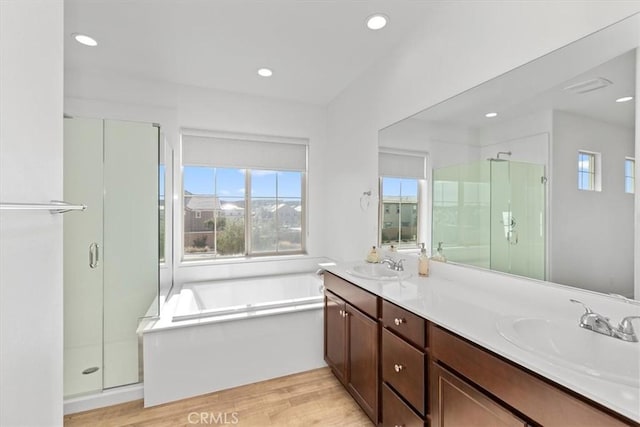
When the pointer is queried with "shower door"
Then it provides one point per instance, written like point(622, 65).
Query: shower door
point(518, 218)
point(110, 251)
point(83, 267)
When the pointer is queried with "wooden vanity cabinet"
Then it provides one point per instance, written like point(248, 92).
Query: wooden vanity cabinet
point(351, 340)
point(405, 371)
point(470, 383)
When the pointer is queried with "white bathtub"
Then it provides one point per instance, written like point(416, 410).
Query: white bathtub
point(221, 334)
point(230, 299)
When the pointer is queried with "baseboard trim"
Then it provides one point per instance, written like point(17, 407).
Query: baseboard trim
point(105, 398)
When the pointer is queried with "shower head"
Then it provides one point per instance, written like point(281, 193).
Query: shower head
point(498, 159)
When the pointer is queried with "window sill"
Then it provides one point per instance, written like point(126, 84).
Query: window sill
point(243, 260)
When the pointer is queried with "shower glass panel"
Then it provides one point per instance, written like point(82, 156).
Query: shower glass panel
point(491, 214)
point(130, 243)
point(461, 212)
point(83, 283)
point(527, 205)
point(110, 250)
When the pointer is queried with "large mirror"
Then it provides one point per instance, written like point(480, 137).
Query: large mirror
point(533, 173)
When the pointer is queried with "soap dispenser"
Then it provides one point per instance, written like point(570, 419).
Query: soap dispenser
point(423, 262)
point(439, 254)
point(373, 256)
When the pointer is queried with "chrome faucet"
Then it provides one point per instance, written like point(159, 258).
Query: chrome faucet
point(597, 323)
point(393, 265)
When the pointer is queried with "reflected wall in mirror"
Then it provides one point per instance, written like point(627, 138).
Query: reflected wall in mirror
point(543, 187)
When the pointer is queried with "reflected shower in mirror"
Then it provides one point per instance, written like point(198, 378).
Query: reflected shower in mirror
point(533, 172)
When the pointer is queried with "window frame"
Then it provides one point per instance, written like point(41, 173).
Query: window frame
point(303, 222)
point(421, 202)
point(631, 177)
point(595, 171)
point(248, 254)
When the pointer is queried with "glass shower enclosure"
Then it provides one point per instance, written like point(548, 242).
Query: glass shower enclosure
point(491, 214)
point(110, 250)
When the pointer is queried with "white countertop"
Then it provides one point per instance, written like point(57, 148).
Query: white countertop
point(469, 302)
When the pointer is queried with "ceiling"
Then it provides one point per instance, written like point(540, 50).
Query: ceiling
point(540, 85)
point(315, 47)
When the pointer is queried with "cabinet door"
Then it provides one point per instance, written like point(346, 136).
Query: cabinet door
point(335, 337)
point(457, 403)
point(363, 360)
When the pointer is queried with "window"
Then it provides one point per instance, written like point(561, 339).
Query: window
point(402, 183)
point(588, 171)
point(400, 206)
point(629, 175)
point(236, 203)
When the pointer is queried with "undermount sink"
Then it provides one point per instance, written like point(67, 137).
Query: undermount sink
point(566, 344)
point(377, 272)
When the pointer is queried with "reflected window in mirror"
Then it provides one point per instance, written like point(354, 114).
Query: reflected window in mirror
point(400, 209)
point(629, 175)
point(588, 171)
point(402, 203)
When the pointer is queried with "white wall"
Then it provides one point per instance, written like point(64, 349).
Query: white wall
point(595, 225)
point(31, 61)
point(458, 47)
point(98, 94)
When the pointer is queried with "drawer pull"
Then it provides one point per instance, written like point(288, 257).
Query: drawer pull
point(398, 368)
point(398, 321)
point(398, 425)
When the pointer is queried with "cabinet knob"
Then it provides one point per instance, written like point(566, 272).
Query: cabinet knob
point(398, 368)
point(398, 321)
point(341, 313)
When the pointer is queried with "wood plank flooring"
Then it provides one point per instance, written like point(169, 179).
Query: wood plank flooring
point(310, 398)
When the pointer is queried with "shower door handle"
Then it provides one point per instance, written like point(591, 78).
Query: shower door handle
point(94, 255)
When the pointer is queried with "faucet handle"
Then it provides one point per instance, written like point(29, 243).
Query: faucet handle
point(400, 265)
point(625, 325)
point(587, 309)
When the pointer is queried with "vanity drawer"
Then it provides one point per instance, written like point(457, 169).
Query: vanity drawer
point(403, 367)
point(396, 413)
point(354, 295)
point(406, 324)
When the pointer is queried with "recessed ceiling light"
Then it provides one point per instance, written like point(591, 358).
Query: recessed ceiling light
point(265, 72)
point(85, 39)
point(377, 21)
point(624, 99)
point(490, 115)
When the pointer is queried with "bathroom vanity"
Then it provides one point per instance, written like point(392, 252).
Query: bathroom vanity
point(436, 351)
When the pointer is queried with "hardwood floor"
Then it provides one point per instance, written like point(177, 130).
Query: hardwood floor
point(310, 398)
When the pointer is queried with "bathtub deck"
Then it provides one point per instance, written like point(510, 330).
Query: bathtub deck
point(309, 398)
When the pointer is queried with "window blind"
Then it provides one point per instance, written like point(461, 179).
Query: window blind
point(244, 151)
point(402, 164)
